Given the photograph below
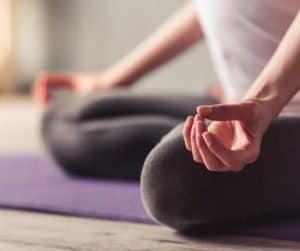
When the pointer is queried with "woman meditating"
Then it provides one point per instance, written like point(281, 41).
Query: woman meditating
point(227, 161)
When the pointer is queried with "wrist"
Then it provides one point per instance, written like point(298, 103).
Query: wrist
point(269, 101)
point(108, 79)
point(117, 77)
point(262, 110)
point(102, 81)
point(270, 96)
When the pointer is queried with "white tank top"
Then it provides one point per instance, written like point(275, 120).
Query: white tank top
point(242, 36)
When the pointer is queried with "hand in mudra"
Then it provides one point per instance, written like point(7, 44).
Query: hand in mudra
point(81, 84)
point(233, 138)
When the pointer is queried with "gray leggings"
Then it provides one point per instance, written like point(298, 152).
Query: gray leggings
point(182, 194)
point(110, 135)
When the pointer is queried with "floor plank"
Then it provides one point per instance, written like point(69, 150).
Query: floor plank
point(43, 232)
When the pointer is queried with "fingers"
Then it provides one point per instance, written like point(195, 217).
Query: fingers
point(187, 128)
point(211, 162)
point(222, 112)
point(193, 129)
point(196, 131)
point(232, 160)
point(46, 82)
point(40, 91)
point(190, 134)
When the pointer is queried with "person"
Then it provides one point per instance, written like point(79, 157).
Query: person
point(237, 159)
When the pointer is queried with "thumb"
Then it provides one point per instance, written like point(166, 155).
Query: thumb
point(222, 112)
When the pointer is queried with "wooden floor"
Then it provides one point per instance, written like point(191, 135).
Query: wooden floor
point(43, 232)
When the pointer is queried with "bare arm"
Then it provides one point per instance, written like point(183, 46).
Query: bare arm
point(178, 34)
point(280, 79)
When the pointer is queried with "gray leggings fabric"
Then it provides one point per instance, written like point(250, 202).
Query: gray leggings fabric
point(183, 194)
point(110, 135)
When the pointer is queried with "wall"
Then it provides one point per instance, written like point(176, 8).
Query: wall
point(92, 34)
point(6, 51)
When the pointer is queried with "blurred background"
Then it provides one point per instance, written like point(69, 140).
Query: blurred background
point(79, 35)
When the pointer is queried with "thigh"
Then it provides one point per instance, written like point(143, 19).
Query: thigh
point(111, 134)
point(112, 147)
point(124, 103)
point(182, 194)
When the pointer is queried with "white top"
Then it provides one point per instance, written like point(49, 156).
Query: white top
point(242, 37)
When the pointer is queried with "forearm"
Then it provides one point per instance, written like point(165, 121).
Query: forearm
point(280, 79)
point(175, 36)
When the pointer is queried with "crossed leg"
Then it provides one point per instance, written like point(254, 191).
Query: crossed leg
point(110, 134)
point(182, 194)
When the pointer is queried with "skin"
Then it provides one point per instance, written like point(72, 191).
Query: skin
point(233, 139)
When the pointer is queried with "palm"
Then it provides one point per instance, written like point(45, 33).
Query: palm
point(82, 84)
point(237, 137)
point(233, 138)
point(232, 134)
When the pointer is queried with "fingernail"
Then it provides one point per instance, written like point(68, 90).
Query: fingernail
point(204, 111)
point(208, 110)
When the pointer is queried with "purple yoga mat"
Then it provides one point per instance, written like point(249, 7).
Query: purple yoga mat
point(35, 183)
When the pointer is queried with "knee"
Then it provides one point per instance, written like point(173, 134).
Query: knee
point(167, 183)
point(49, 119)
point(58, 134)
point(57, 114)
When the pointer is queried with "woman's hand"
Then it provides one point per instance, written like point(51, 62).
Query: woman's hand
point(233, 138)
point(81, 84)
